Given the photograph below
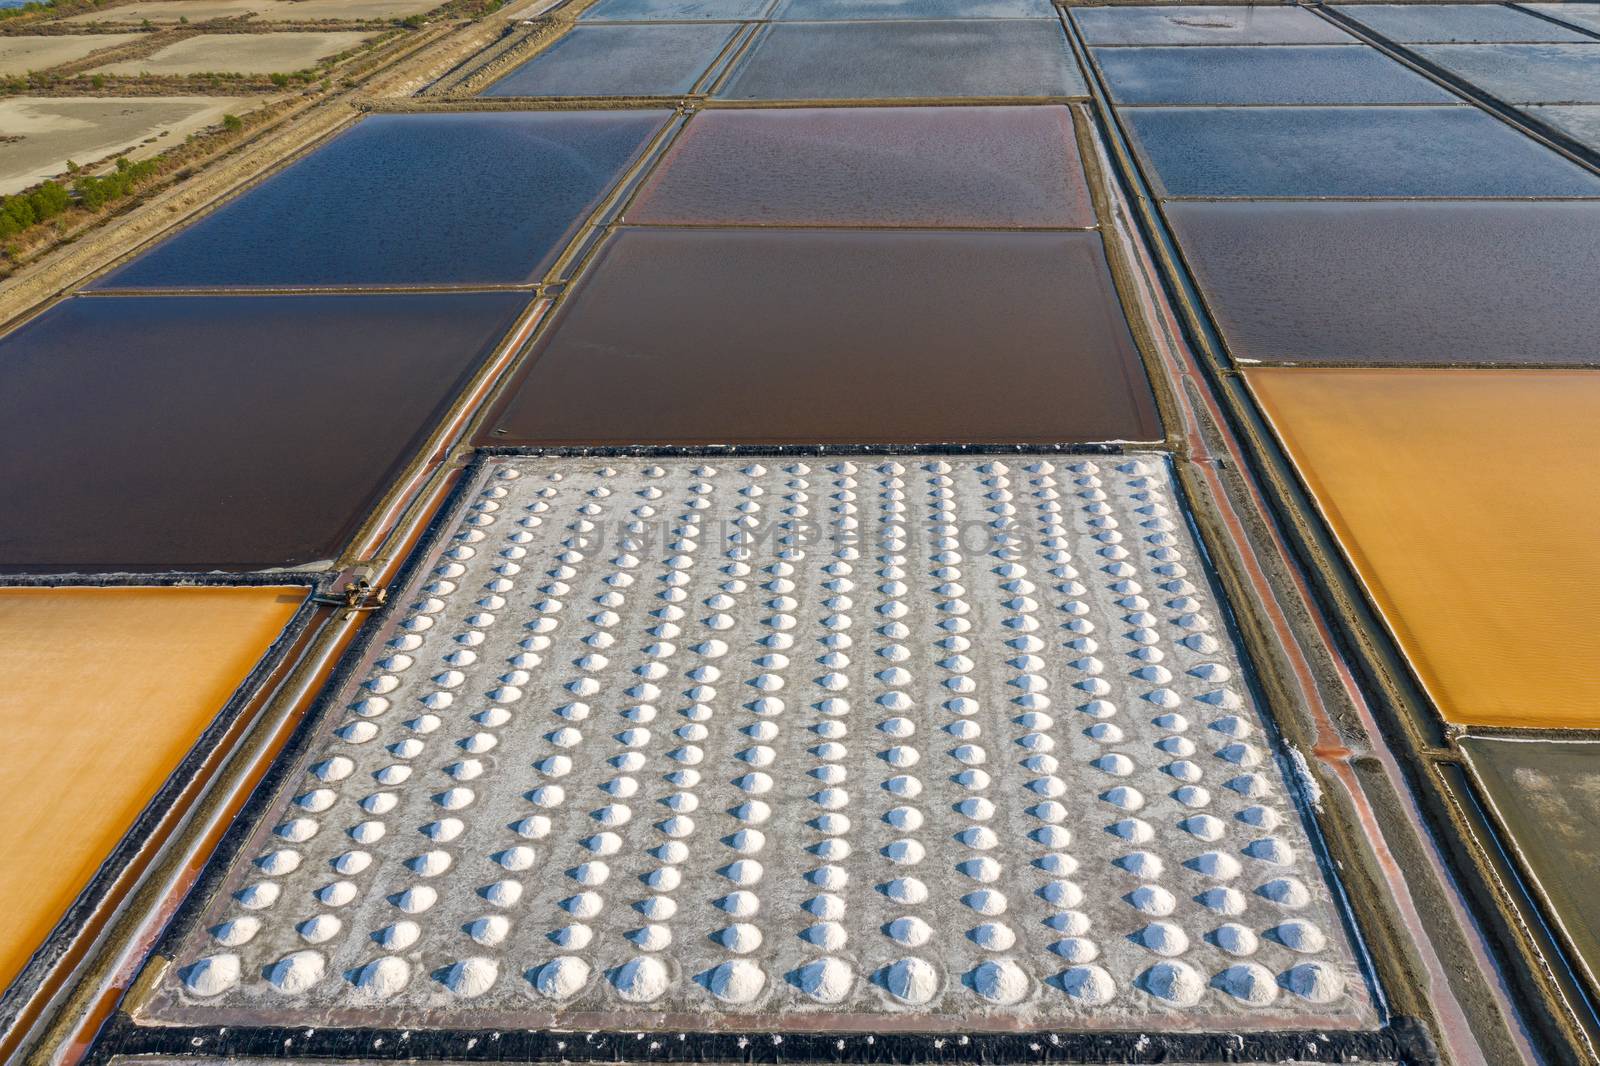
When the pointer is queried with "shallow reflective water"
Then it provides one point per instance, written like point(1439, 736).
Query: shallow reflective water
point(221, 432)
point(901, 60)
point(1170, 24)
point(625, 60)
point(1463, 500)
point(1398, 282)
point(911, 9)
point(1278, 74)
point(1347, 151)
point(903, 166)
point(1525, 73)
point(685, 10)
point(409, 200)
point(1548, 795)
point(750, 336)
point(116, 685)
point(1415, 23)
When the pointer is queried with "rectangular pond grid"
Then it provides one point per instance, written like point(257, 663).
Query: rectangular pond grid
point(905, 744)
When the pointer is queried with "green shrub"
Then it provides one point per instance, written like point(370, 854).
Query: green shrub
point(96, 192)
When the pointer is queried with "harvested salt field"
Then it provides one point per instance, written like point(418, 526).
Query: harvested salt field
point(1498, 634)
point(859, 803)
point(53, 130)
point(240, 53)
point(832, 532)
point(129, 650)
point(19, 54)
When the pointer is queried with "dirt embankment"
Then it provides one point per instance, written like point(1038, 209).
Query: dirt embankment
point(413, 65)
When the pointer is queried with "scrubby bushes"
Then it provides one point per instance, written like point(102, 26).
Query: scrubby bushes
point(96, 192)
point(25, 209)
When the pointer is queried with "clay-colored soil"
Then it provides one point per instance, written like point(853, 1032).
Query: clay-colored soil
point(19, 55)
point(239, 53)
point(261, 10)
point(88, 129)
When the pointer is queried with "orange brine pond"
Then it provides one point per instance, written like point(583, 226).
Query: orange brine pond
point(104, 692)
point(1464, 499)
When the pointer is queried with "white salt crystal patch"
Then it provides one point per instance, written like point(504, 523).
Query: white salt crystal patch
point(826, 980)
point(472, 976)
point(912, 980)
point(1315, 982)
point(383, 977)
point(641, 980)
point(1296, 934)
point(1000, 981)
point(1235, 939)
point(212, 975)
point(1088, 986)
point(1249, 983)
point(1174, 982)
point(317, 930)
point(736, 981)
point(399, 936)
point(236, 931)
point(296, 972)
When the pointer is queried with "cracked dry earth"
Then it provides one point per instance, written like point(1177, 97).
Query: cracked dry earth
point(917, 740)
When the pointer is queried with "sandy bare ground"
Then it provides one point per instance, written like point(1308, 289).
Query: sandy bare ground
point(262, 10)
point(87, 129)
point(238, 53)
point(18, 55)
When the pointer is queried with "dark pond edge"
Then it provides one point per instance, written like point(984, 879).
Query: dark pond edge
point(1404, 1042)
